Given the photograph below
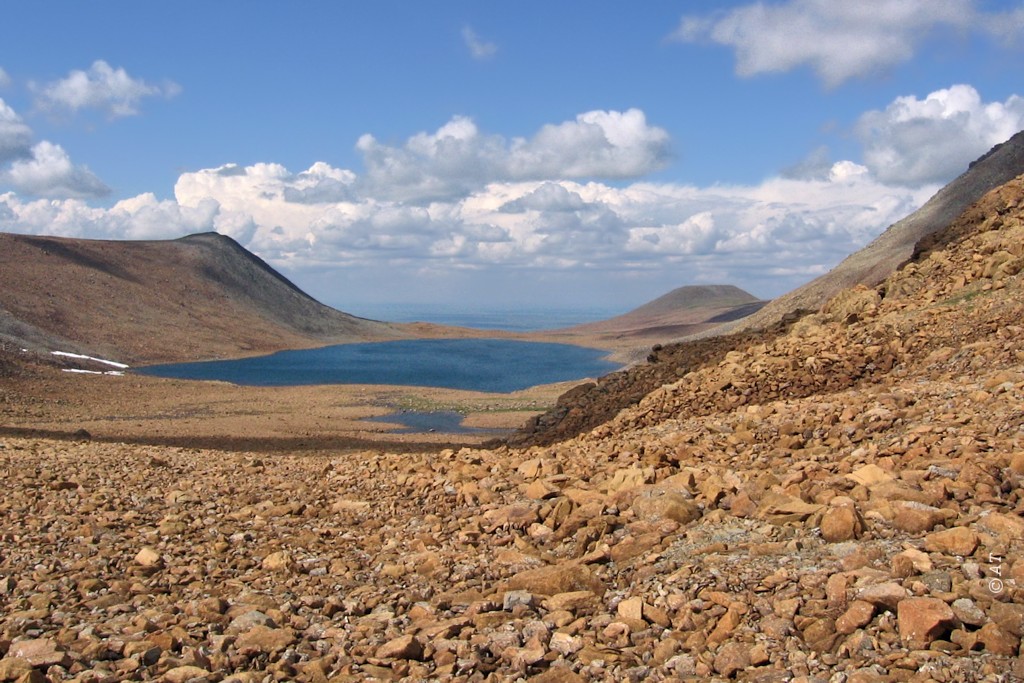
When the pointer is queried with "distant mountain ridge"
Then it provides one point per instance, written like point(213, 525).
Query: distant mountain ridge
point(199, 296)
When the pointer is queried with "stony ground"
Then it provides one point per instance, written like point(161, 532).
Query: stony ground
point(842, 502)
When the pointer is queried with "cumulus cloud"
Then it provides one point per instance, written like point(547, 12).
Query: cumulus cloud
point(458, 158)
point(479, 49)
point(50, 173)
point(698, 234)
point(900, 141)
point(839, 41)
point(141, 217)
point(15, 135)
point(101, 87)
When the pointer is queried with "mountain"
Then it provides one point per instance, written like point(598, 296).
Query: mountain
point(682, 312)
point(875, 262)
point(200, 296)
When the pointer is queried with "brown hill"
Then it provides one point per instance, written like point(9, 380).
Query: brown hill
point(881, 257)
point(683, 311)
point(200, 296)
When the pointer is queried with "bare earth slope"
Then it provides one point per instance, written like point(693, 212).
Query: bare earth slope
point(200, 296)
point(840, 501)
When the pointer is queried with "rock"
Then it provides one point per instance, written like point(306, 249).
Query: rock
point(184, 674)
point(625, 479)
point(1007, 527)
point(14, 668)
point(557, 674)
point(968, 612)
point(885, 595)
point(565, 644)
point(515, 598)
point(541, 490)
point(780, 508)
point(732, 658)
point(403, 647)
point(149, 559)
point(571, 601)
point(857, 615)
point(261, 639)
point(557, 578)
point(840, 524)
point(870, 475)
point(247, 620)
point(998, 641)
point(922, 620)
point(820, 634)
point(916, 517)
point(280, 561)
point(631, 608)
point(725, 626)
point(956, 541)
point(655, 504)
point(39, 652)
point(1009, 616)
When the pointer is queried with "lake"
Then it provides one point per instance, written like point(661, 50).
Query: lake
point(490, 365)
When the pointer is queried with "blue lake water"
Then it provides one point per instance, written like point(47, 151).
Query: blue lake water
point(491, 365)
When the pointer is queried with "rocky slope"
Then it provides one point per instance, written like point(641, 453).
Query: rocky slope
point(838, 501)
point(195, 297)
point(592, 404)
point(875, 262)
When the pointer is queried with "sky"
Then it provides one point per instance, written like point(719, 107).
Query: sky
point(506, 155)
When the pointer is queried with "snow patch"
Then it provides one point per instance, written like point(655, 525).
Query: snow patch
point(97, 360)
point(116, 373)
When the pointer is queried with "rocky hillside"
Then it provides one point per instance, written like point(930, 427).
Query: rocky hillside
point(841, 500)
point(871, 265)
point(590, 405)
point(196, 297)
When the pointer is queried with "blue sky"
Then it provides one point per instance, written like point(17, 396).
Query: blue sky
point(521, 155)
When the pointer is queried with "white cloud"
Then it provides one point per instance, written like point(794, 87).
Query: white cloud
point(49, 172)
point(15, 135)
point(101, 87)
point(900, 143)
point(5, 80)
point(141, 217)
point(458, 158)
point(479, 49)
point(689, 234)
point(839, 40)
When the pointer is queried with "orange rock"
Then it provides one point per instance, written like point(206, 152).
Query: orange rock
point(956, 541)
point(922, 620)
